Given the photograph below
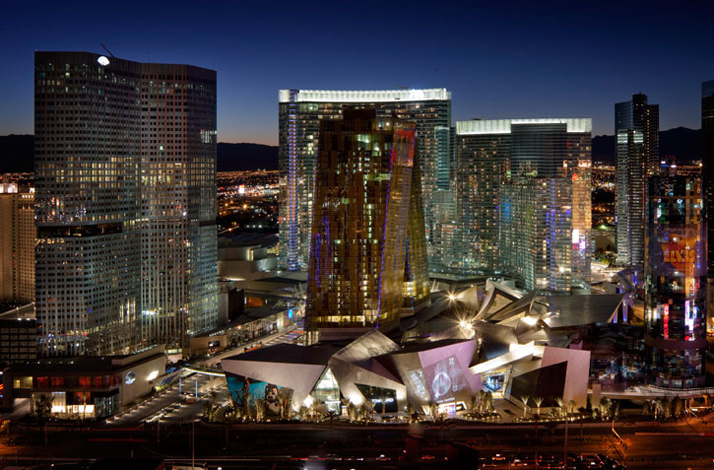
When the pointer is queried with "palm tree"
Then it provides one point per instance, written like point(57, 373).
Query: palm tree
point(488, 401)
point(524, 399)
point(561, 406)
point(538, 401)
point(572, 405)
point(285, 402)
point(260, 406)
point(605, 404)
point(351, 410)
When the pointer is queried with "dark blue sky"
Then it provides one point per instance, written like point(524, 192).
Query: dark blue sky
point(500, 59)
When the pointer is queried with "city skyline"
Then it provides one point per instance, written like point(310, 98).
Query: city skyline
point(526, 78)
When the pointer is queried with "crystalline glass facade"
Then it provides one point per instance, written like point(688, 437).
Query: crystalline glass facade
point(363, 198)
point(125, 176)
point(675, 283)
point(524, 199)
point(300, 112)
point(637, 149)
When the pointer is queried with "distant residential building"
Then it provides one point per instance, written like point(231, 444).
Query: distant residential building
point(300, 113)
point(675, 283)
point(525, 200)
point(637, 151)
point(365, 193)
point(125, 157)
point(17, 243)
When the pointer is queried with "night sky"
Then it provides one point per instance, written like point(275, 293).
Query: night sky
point(500, 59)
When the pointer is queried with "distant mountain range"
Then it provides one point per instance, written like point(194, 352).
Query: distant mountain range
point(683, 143)
point(16, 151)
point(17, 155)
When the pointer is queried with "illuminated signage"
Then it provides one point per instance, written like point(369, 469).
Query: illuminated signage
point(130, 378)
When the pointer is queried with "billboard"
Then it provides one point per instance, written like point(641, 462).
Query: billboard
point(445, 379)
point(244, 389)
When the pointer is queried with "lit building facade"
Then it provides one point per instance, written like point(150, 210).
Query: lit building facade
point(300, 112)
point(483, 150)
point(524, 200)
point(362, 206)
point(675, 283)
point(708, 181)
point(125, 177)
point(17, 243)
point(179, 248)
point(637, 151)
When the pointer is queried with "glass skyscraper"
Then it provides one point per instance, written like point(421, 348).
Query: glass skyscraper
point(708, 179)
point(637, 150)
point(125, 203)
point(366, 198)
point(300, 113)
point(524, 200)
point(675, 283)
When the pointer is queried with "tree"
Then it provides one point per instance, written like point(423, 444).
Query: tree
point(260, 406)
point(605, 404)
point(524, 399)
point(538, 401)
point(43, 407)
point(561, 406)
point(475, 403)
point(210, 412)
point(350, 410)
point(285, 402)
point(572, 405)
point(488, 400)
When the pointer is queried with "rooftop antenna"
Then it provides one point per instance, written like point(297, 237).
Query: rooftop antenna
point(105, 48)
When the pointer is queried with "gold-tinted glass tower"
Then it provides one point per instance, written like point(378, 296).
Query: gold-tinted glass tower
point(364, 213)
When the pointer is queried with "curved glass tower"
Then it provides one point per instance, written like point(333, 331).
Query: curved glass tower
point(358, 252)
point(675, 283)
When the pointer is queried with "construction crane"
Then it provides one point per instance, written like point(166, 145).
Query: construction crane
point(105, 48)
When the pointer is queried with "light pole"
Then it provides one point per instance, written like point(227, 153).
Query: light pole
point(565, 443)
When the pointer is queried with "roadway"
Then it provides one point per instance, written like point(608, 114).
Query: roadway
point(173, 408)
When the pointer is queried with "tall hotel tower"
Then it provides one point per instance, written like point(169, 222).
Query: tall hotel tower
point(675, 283)
point(125, 203)
point(362, 208)
point(17, 243)
point(708, 181)
point(300, 115)
point(637, 149)
point(524, 200)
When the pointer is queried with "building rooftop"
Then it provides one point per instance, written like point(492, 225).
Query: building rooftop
point(363, 96)
point(85, 364)
point(289, 354)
